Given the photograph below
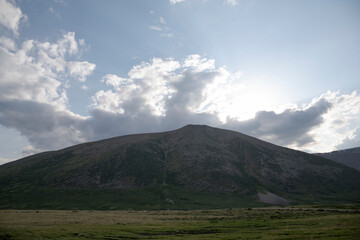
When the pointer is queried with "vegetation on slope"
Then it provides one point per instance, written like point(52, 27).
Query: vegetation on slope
point(192, 167)
point(284, 223)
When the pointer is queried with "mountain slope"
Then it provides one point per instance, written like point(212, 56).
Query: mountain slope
point(178, 167)
point(349, 157)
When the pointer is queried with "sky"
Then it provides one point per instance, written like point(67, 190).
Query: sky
point(287, 72)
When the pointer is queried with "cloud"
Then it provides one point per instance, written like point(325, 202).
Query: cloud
point(11, 16)
point(37, 70)
point(172, 93)
point(164, 94)
point(231, 3)
point(161, 26)
point(340, 128)
point(80, 70)
point(64, 47)
point(156, 95)
point(352, 140)
point(61, 2)
point(44, 126)
point(23, 77)
point(54, 13)
point(146, 88)
point(168, 35)
point(7, 43)
point(290, 127)
point(85, 87)
point(159, 87)
point(162, 21)
point(176, 1)
point(199, 64)
point(156, 28)
point(34, 79)
point(329, 122)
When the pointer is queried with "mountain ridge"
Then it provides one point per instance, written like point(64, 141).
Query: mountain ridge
point(194, 158)
point(349, 157)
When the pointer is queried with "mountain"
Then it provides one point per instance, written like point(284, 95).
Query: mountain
point(193, 167)
point(349, 157)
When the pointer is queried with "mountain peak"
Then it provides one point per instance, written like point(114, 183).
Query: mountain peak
point(196, 126)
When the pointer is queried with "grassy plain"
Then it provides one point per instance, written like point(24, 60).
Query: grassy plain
point(261, 223)
point(154, 198)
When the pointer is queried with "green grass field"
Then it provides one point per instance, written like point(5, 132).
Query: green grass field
point(282, 223)
point(154, 198)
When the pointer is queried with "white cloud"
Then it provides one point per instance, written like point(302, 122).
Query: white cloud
point(341, 123)
point(162, 21)
point(109, 101)
point(33, 91)
point(160, 26)
point(82, 42)
point(85, 87)
point(238, 74)
point(156, 28)
point(80, 70)
point(11, 16)
point(33, 86)
point(327, 123)
point(231, 3)
point(37, 70)
point(62, 2)
point(168, 35)
point(352, 141)
point(27, 78)
point(174, 94)
point(291, 127)
point(198, 64)
point(7, 43)
point(157, 68)
point(67, 46)
point(115, 81)
point(176, 1)
point(164, 88)
point(148, 83)
point(159, 95)
point(54, 13)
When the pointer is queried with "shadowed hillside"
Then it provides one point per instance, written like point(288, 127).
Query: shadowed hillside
point(349, 157)
point(192, 167)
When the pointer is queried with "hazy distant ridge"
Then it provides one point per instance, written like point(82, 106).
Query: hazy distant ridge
point(349, 157)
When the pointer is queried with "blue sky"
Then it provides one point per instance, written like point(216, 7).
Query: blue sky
point(75, 71)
